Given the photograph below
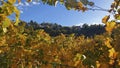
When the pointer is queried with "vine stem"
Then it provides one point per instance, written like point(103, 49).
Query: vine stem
point(98, 9)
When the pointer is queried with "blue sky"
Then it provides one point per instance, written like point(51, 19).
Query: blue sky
point(59, 14)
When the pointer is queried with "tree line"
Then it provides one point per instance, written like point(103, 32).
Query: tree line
point(54, 29)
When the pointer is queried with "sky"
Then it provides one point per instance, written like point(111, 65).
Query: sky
point(44, 13)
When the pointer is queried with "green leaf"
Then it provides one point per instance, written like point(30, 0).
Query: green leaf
point(6, 23)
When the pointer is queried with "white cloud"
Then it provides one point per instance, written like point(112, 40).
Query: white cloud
point(80, 24)
point(93, 23)
point(19, 4)
point(35, 3)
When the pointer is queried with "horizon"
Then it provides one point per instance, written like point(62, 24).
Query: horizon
point(66, 26)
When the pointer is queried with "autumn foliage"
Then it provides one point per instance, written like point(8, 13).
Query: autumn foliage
point(27, 48)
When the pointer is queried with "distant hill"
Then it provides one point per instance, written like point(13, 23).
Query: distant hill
point(54, 29)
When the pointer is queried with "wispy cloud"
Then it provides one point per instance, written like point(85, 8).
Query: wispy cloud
point(19, 4)
point(22, 5)
point(93, 23)
point(80, 24)
point(35, 3)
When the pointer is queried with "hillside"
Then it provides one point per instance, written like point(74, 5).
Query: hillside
point(54, 29)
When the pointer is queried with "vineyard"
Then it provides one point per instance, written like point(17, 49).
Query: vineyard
point(27, 48)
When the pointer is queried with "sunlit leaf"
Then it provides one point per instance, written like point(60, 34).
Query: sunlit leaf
point(105, 19)
point(98, 64)
point(111, 52)
point(12, 1)
point(110, 26)
point(111, 62)
point(4, 30)
point(6, 23)
point(107, 43)
point(8, 9)
point(79, 6)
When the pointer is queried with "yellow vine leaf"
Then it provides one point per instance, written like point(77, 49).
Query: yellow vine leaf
point(30, 65)
point(112, 53)
point(97, 64)
point(4, 30)
point(111, 62)
point(2, 41)
point(107, 43)
point(6, 23)
point(79, 6)
point(77, 59)
point(1, 51)
point(7, 8)
point(110, 26)
point(12, 1)
point(105, 19)
point(22, 38)
point(76, 63)
point(56, 59)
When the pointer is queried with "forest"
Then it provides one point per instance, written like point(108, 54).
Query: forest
point(54, 29)
point(50, 45)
